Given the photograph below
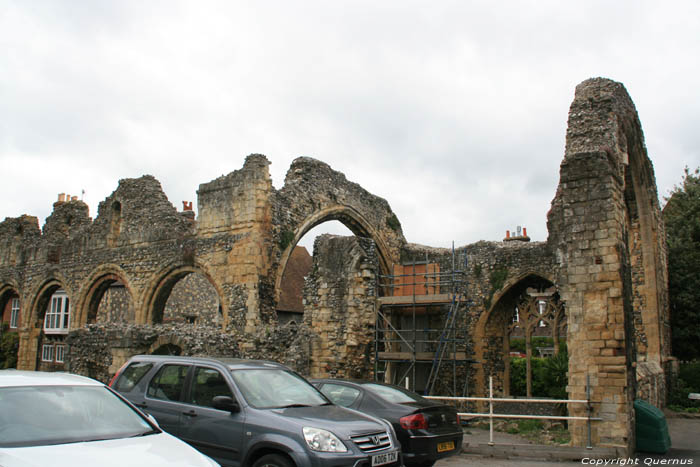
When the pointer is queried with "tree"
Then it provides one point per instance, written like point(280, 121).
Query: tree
point(682, 218)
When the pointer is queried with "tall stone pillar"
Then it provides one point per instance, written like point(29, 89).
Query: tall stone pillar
point(236, 209)
point(606, 183)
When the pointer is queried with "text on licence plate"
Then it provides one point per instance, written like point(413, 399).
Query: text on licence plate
point(385, 458)
point(446, 446)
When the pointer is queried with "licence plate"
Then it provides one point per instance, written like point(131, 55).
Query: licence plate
point(385, 458)
point(446, 446)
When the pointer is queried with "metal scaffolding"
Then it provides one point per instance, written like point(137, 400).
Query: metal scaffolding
point(420, 330)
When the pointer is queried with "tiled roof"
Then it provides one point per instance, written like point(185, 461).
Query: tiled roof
point(298, 267)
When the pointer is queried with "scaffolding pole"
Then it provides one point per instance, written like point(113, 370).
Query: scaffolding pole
point(415, 294)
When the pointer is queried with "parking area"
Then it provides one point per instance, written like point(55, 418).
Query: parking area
point(685, 433)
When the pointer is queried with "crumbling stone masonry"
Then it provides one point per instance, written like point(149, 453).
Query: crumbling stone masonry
point(606, 232)
point(339, 296)
point(604, 260)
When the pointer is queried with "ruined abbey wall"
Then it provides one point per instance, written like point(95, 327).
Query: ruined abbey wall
point(604, 260)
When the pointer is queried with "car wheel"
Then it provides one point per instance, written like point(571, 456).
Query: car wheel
point(273, 460)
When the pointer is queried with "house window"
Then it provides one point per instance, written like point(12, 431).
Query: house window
point(57, 318)
point(14, 316)
point(541, 308)
point(60, 352)
point(47, 353)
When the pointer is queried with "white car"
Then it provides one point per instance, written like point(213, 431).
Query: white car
point(59, 419)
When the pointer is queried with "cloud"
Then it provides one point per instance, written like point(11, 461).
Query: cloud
point(455, 112)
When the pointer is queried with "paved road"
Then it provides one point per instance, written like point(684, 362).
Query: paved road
point(685, 441)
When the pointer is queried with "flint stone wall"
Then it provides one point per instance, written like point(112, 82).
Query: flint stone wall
point(98, 351)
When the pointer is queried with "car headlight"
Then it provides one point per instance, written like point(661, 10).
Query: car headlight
point(322, 440)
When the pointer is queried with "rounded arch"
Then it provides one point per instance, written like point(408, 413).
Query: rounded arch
point(167, 345)
point(490, 333)
point(42, 295)
point(8, 291)
point(351, 219)
point(162, 284)
point(94, 288)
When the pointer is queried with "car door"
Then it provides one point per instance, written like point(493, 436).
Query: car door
point(216, 433)
point(164, 396)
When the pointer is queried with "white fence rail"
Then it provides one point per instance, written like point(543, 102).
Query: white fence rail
point(490, 415)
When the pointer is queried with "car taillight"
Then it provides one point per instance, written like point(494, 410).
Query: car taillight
point(414, 422)
point(114, 378)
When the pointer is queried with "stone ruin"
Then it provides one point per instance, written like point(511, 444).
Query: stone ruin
point(600, 278)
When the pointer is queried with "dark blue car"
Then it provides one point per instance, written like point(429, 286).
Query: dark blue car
point(427, 430)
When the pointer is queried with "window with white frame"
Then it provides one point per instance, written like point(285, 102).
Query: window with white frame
point(14, 315)
point(57, 318)
point(47, 353)
point(60, 353)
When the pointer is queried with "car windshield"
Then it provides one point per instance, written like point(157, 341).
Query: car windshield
point(46, 415)
point(274, 388)
point(393, 393)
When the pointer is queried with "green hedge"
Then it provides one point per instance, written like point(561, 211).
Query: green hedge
point(548, 376)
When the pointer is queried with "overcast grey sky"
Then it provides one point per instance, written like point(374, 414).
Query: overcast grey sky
point(453, 111)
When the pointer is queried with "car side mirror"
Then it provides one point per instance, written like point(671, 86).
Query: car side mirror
point(225, 403)
point(152, 419)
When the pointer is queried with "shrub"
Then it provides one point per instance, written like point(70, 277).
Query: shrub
point(393, 223)
point(690, 373)
point(9, 345)
point(688, 381)
point(548, 376)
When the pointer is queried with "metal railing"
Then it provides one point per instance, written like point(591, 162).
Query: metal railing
point(490, 415)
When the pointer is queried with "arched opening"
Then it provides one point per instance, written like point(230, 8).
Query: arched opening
point(186, 295)
point(167, 349)
point(337, 220)
point(109, 301)
point(290, 305)
point(53, 312)
point(10, 322)
point(525, 339)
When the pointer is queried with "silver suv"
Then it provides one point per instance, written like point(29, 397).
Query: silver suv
point(254, 413)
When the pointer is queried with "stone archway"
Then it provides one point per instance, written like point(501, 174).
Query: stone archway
point(8, 292)
point(350, 218)
point(162, 287)
point(314, 193)
point(11, 322)
point(493, 329)
point(108, 281)
point(38, 355)
point(167, 345)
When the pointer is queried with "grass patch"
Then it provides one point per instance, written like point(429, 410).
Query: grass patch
point(542, 432)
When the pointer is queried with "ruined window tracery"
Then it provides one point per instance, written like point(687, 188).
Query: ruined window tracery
point(539, 313)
